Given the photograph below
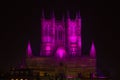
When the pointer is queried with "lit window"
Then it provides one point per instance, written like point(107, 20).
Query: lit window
point(21, 79)
point(16, 79)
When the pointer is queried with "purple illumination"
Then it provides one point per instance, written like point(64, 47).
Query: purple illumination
point(47, 39)
point(74, 35)
point(48, 48)
point(79, 42)
point(29, 50)
point(73, 45)
point(56, 33)
point(73, 38)
point(93, 51)
point(61, 52)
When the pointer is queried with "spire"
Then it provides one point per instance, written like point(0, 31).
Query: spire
point(29, 50)
point(92, 50)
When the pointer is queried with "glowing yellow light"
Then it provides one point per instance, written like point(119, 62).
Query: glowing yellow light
point(16, 79)
point(21, 79)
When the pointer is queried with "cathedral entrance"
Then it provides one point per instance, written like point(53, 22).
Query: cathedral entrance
point(60, 52)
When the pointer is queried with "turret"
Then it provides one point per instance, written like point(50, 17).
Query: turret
point(92, 50)
point(29, 50)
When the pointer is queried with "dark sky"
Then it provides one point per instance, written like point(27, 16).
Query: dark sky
point(21, 22)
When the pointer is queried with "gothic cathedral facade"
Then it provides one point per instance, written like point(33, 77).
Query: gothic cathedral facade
point(61, 38)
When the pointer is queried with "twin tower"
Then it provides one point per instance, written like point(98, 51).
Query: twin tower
point(60, 38)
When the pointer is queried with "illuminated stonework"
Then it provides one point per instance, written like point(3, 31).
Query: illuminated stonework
point(55, 34)
point(93, 51)
point(29, 50)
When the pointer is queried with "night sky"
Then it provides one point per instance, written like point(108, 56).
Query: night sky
point(21, 22)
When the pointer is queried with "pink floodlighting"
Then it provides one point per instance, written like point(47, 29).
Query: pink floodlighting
point(61, 52)
point(48, 48)
point(47, 39)
point(74, 35)
point(57, 34)
point(72, 23)
point(29, 50)
point(79, 42)
point(73, 45)
point(92, 50)
point(73, 38)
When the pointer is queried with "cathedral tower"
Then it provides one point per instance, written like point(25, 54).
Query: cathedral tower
point(48, 35)
point(74, 35)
